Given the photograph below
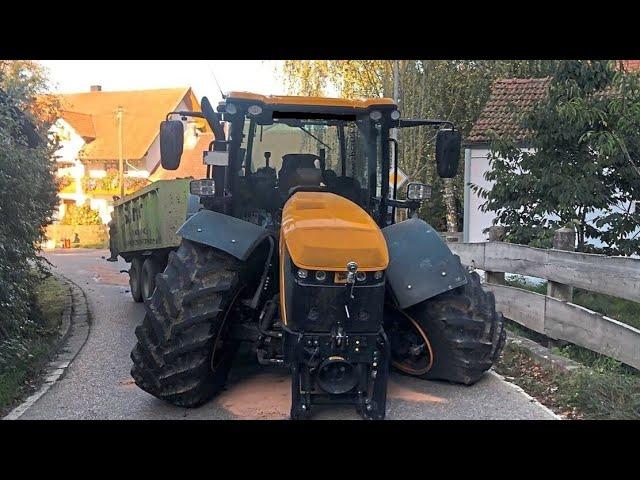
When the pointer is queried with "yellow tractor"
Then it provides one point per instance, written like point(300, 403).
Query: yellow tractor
point(291, 243)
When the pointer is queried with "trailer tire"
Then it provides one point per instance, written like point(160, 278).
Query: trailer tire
point(150, 268)
point(182, 355)
point(135, 279)
point(465, 332)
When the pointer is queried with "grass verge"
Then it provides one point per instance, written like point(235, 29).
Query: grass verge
point(23, 359)
point(586, 393)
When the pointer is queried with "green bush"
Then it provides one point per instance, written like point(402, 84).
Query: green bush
point(81, 215)
point(27, 195)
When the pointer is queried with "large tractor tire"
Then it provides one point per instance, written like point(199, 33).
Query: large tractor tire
point(182, 355)
point(458, 335)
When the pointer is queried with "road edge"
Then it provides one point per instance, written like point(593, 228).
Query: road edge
point(76, 324)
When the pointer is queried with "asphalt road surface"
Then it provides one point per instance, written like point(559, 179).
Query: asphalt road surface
point(98, 385)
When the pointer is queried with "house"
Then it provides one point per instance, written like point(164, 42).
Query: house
point(94, 126)
point(510, 99)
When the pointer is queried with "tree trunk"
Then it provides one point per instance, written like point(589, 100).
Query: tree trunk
point(450, 205)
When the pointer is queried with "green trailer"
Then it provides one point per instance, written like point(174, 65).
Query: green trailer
point(143, 230)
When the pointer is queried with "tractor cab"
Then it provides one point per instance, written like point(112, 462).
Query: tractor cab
point(269, 147)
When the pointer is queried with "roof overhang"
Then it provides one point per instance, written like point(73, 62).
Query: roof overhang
point(287, 103)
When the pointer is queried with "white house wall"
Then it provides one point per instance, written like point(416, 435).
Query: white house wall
point(475, 220)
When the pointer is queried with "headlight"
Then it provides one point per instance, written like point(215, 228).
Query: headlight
point(302, 273)
point(395, 115)
point(361, 276)
point(378, 275)
point(418, 191)
point(255, 110)
point(203, 187)
point(230, 108)
point(375, 115)
point(321, 276)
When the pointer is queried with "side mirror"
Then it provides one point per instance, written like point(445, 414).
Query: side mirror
point(171, 143)
point(448, 144)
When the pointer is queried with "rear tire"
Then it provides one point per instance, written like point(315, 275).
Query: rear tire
point(465, 332)
point(135, 279)
point(182, 355)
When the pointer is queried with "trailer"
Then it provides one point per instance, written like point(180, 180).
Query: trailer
point(143, 231)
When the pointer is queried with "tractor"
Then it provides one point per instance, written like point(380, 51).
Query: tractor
point(291, 243)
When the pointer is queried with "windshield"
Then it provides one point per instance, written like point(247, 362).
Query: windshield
point(345, 151)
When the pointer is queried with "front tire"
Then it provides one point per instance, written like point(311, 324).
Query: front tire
point(465, 333)
point(183, 355)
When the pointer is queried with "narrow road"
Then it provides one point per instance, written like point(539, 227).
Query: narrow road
point(97, 385)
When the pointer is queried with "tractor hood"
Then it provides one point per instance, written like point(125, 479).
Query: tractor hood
point(324, 231)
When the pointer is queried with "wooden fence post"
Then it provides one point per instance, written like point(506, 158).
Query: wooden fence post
point(563, 239)
point(496, 234)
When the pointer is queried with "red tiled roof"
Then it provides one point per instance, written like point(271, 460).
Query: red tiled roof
point(143, 112)
point(190, 165)
point(82, 123)
point(510, 99)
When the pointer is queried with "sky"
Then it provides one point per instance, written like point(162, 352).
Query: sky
point(257, 76)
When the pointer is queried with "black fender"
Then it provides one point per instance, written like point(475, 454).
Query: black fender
point(421, 265)
point(229, 234)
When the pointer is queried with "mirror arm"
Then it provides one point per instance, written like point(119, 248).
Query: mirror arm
point(185, 113)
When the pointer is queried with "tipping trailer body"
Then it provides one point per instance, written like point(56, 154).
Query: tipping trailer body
point(148, 220)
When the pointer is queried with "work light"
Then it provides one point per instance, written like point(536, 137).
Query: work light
point(204, 187)
point(255, 110)
point(418, 191)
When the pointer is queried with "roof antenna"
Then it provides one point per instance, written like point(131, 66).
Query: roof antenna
point(224, 97)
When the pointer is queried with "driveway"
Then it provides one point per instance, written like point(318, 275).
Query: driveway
point(97, 384)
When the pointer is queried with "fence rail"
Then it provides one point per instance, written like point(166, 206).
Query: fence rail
point(553, 314)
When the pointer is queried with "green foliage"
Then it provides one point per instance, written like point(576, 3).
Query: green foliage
point(27, 193)
point(585, 137)
point(81, 215)
point(455, 90)
point(602, 395)
point(110, 184)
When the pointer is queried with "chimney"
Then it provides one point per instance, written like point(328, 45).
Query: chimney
point(96, 88)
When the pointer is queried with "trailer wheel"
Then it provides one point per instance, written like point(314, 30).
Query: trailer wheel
point(150, 268)
point(183, 355)
point(458, 333)
point(135, 279)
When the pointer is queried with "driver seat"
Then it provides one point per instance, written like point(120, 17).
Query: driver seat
point(289, 177)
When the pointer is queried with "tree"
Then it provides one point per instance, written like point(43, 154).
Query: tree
point(27, 191)
point(581, 170)
point(455, 90)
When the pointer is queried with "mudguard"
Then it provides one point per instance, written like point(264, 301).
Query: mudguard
point(229, 234)
point(421, 265)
